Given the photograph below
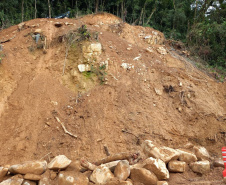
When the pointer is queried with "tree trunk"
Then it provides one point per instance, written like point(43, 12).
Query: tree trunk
point(76, 4)
point(122, 10)
point(139, 22)
point(22, 11)
point(49, 9)
point(35, 10)
point(149, 18)
point(96, 6)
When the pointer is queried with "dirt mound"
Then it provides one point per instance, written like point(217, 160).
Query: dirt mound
point(149, 90)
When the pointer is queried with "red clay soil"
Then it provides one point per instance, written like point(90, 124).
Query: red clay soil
point(33, 92)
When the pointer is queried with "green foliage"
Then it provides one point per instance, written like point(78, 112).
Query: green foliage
point(84, 33)
point(209, 39)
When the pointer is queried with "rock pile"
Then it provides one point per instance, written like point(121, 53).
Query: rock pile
point(122, 168)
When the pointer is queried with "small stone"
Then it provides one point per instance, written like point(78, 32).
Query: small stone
point(33, 177)
point(28, 182)
point(34, 167)
point(187, 156)
point(158, 91)
point(12, 182)
point(162, 183)
point(201, 153)
point(84, 67)
point(162, 51)
point(218, 163)
point(200, 167)
point(53, 175)
point(158, 167)
point(122, 170)
point(101, 175)
point(177, 166)
point(3, 172)
point(59, 162)
point(74, 166)
point(96, 47)
point(144, 176)
point(72, 178)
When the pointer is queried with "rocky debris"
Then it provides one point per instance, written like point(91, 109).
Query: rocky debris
point(101, 175)
point(127, 66)
point(71, 178)
point(187, 156)
point(45, 181)
point(158, 167)
point(164, 153)
point(158, 91)
point(154, 38)
point(162, 183)
point(177, 166)
point(34, 167)
point(12, 181)
point(21, 26)
point(91, 51)
point(122, 170)
point(144, 176)
point(201, 153)
point(162, 50)
point(3, 172)
point(33, 177)
point(200, 167)
point(59, 162)
point(28, 182)
point(111, 165)
point(218, 163)
point(84, 67)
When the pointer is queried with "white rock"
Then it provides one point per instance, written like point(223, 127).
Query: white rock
point(143, 176)
point(162, 51)
point(72, 178)
point(28, 182)
point(122, 170)
point(164, 153)
point(3, 172)
point(187, 156)
point(177, 166)
point(162, 183)
point(127, 66)
point(200, 167)
point(201, 153)
point(12, 182)
point(101, 175)
point(34, 167)
point(158, 167)
point(59, 162)
point(96, 47)
point(84, 67)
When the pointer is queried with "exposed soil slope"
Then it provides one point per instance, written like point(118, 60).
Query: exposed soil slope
point(33, 92)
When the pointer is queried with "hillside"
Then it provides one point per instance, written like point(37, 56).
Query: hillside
point(144, 90)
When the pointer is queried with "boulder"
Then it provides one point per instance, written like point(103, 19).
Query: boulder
point(34, 167)
point(96, 47)
point(158, 167)
point(72, 178)
point(166, 154)
point(122, 170)
point(111, 165)
point(144, 176)
point(59, 162)
point(187, 156)
point(28, 182)
point(3, 172)
point(45, 181)
point(12, 181)
point(38, 31)
point(84, 67)
point(101, 175)
point(162, 183)
point(32, 177)
point(177, 166)
point(218, 162)
point(201, 153)
point(200, 167)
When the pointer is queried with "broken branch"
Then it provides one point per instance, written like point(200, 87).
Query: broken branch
point(64, 128)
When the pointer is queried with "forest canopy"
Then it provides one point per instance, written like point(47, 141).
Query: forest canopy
point(200, 24)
